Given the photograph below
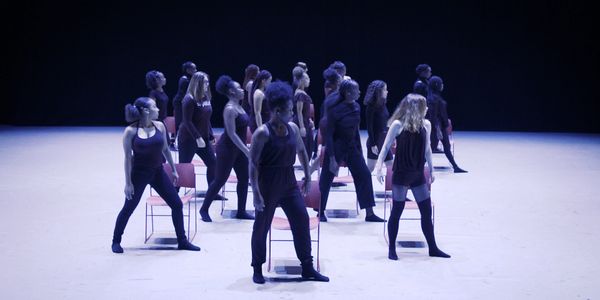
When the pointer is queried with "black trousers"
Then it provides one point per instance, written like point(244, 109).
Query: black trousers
point(230, 157)
point(188, 148)
point(158, 179)
point(360, 174)
point(295, 210)
point(445, 142)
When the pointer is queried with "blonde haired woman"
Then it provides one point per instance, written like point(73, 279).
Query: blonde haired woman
point(411, 132)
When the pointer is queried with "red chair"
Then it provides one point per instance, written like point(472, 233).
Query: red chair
point(312, 200)
point(187, 180)
point(409, 205)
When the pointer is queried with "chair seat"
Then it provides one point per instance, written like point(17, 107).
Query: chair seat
point(344, 179)
point(198, 163)
point(158, 201)
point(280, 223)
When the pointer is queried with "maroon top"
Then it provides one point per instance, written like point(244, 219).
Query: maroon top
point(196, 120)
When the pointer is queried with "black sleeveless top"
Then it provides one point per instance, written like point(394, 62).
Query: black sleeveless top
point(147, 153)
point(241, 128)
point(276, 167)
point(409, 161)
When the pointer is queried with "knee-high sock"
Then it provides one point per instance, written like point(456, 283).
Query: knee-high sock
point(394, 221)
point(426, 223)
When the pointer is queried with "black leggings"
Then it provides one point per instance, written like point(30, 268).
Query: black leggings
point(158, 179)
point(445, 142)
point(295, 210)
point(229, 157)
point(187, 149)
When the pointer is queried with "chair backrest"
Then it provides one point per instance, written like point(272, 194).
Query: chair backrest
point(170, 124)
point(187, 176)
point(313, 198)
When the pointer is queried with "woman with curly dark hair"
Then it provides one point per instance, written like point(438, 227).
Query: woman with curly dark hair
point(377, 115)
point(258, 113)
point(275, 145)
point(232, 152)
point(155, 81)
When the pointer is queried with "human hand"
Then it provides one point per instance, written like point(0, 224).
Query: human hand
point(379, 173)
point(303, 132)
point(306, 186)
point(200, 142)
point(175, 177)
point(375, 150)
point(259, 202)
point(129, 191)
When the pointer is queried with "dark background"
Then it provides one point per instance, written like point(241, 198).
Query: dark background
point(506, 66)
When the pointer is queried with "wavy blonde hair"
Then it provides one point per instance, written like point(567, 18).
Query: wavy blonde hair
point(196, 87)
point(410, 112)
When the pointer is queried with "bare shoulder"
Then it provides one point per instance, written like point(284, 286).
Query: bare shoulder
point(294, 127)
point(396, 124)
point(129, 130)
point(159, 125)
point(258, 93)
point(261, 133)
point(427, 124)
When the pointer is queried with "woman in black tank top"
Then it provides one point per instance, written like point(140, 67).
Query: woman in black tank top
point(273, 153)
point(411, 132)
point(145, 145)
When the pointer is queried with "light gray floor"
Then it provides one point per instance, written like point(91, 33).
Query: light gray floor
point(523, 223)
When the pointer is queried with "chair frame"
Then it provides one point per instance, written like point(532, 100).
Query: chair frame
point(181, 169)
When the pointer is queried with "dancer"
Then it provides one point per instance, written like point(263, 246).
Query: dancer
point(411, 132)
point(145, 146)
point(377, 115)
point(340, 68)
point(302, 102)
point(232, 151)
point(332, 84)
point(195, 132)
point(273, 152)
point(342, 143)
point(439, 120)
point(423, 74)
point(258, 114)
point(188, 68)
point(250, 74)
point(155, 81)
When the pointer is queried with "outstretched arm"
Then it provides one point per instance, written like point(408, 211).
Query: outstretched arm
point(127, 137)
point(302, 156)
point(393, 132)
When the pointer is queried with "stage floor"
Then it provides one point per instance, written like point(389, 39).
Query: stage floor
point(523, 223)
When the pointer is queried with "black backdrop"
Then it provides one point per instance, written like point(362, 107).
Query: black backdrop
point(509, 67)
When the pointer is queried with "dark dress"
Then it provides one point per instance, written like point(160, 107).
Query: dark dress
point(409, 162)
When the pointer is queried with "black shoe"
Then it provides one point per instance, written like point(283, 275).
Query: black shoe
point(205, 217)
point(243, 215)
point(322, 217)
point(309, 273)
point(459, 170)
point(336, 184)
point(116, 248)
point(220, 197)
point(392, 253)
point(438, 253)
point(373, 218)
point(437, 151)
point(186, 245)
point(258, 277)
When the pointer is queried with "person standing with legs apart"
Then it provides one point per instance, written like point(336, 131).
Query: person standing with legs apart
point(273, 153)
point(195, 132)
point(342, 144)
point(439, 120)
point(411, 132)
point(145, 146)
point(232, 151)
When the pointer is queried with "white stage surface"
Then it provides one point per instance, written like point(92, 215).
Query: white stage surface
point(522, 224)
